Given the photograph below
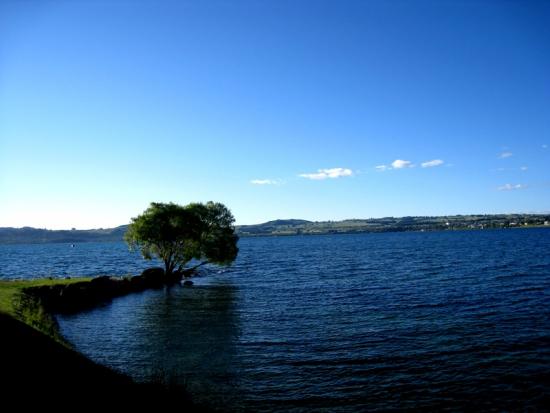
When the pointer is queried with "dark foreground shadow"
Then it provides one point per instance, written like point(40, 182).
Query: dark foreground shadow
point(37, 371)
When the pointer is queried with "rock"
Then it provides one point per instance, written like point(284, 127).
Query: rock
point(153, 272)
point(137, 283)
point(73, 297)
point(77, 296)
point(153, 277)
point(109, 287)
point(102, 281)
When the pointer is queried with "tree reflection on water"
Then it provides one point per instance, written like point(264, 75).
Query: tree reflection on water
point(186, 336)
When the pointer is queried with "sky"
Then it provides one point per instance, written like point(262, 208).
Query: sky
point(320, 110)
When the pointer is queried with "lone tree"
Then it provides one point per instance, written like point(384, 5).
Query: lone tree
point(178, 234)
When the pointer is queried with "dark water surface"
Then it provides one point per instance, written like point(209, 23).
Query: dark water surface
point(69, 260)
point(337, 323)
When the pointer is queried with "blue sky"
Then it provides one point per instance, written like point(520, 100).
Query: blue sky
point(279, 109)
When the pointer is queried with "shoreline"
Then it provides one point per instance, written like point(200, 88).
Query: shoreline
point(300, 234)
point(29, 235)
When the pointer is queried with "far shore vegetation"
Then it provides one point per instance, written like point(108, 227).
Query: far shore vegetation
point(28, 235)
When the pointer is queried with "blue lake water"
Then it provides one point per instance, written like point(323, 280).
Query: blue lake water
point(331, 323)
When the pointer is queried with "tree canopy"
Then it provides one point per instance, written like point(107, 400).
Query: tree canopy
point(179, 234)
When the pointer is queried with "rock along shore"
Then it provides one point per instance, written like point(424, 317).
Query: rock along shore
point(71, 298)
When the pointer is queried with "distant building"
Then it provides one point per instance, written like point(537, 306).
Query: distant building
point(546, 222)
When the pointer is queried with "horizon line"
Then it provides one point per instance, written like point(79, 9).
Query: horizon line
point(301, 219)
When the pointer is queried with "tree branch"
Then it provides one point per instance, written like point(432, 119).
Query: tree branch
point(199, 265)
point(192, 269)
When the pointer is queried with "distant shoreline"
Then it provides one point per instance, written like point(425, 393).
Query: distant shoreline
point(290, 227)
point(395, 231)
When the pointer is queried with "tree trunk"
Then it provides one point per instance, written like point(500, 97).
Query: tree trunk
point(170, 277)
point(167, 268)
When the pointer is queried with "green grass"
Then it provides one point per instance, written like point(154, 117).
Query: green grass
point(9, 289)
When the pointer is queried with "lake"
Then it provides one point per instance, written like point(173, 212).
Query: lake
point(330, 323)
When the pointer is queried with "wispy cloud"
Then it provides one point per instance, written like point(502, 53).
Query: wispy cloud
point(521, 168)
point(544, 146)
point(511, 187)
point(401, 164)
point(431, 164)
point(330, 173)
point(504, 155)
point(266, 182)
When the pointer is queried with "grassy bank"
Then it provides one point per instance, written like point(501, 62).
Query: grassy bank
point(10, 289)
point(14, 304)
point(34, 301)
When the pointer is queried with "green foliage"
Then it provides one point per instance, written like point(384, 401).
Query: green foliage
point(31, 311)
point(15, 302)
point(178, 234)
point(10, 289)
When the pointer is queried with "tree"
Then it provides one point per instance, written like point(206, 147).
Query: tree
point(179, 234)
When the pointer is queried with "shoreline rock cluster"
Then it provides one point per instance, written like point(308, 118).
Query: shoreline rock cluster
point(84, 295)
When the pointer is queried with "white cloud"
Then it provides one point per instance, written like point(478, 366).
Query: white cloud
point(382, 168)
point(511, 187)
point(504, 155)
point(521, 168)
point(430, 164)
point(266, 182)
point(400, 164)
point(328, 173)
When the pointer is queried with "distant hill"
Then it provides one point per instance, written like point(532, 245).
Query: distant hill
point(391, 224)
point(271, 227)
point(29, 235)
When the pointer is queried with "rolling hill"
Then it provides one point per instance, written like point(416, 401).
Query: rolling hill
point(28, 235)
